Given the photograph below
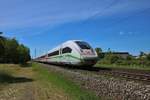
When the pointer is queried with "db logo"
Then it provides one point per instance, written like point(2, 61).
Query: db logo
point(87, 52)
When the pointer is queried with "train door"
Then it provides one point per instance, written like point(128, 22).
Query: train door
point(60, 55)
point(66, 52)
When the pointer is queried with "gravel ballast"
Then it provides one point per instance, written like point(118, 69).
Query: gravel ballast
point(106, 87)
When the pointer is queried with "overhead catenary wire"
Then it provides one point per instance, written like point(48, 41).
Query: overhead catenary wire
point(101, 12)
point(119, 20)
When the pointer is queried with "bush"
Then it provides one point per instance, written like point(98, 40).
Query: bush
point(110, 58)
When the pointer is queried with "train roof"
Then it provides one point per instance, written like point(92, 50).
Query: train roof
point(56, 48)
point(69, 41)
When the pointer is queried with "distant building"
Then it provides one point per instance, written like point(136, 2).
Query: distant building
point(120, 54)
point(136, 57)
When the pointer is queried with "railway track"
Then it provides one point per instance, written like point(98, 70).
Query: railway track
point(122, 73)
point(138, 75)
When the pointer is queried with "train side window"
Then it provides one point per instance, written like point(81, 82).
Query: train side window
point(66, 50)
point(53, 53)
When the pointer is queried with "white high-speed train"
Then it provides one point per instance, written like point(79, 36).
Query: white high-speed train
point(73, 52)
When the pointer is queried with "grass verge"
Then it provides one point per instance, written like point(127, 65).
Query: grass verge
point(69, 87)
point(123, 66)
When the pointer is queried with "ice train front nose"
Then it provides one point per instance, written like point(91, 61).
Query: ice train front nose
point(88, 55)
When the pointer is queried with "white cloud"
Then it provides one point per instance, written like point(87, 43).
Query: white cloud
point(126, 33)
point(121, 33)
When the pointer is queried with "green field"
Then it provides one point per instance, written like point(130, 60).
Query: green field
point(35, 82)
point(123, 66)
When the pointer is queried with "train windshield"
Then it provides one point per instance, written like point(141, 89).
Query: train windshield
point(83, 45)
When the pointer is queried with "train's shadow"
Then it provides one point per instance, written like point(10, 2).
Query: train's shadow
point(88, 68)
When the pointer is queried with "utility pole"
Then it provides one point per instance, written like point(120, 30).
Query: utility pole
point(35, 53)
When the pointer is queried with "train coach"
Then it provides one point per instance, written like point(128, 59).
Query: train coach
point(72, 52)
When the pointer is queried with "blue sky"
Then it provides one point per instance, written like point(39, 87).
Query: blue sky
point(121, 25)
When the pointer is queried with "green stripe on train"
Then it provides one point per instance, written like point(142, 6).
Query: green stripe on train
point(66, 55)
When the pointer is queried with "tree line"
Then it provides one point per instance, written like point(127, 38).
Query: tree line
point(13, 52)
point(110, 58)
